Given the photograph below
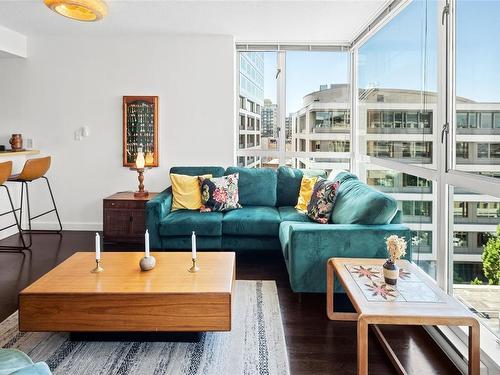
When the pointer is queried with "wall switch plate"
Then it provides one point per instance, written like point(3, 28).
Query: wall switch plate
point(29, 144)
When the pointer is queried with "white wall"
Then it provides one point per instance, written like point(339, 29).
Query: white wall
point(66, 83)
point(12, 43)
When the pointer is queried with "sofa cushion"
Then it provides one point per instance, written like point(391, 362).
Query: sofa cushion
point(198, 171)
point(289, 180)
point(184, 242)
point(183, 222)
point(357, 203)
point(320, 206)
point(343, 176)
point(219, 193)
point(288, 213)
point(257, 186)
point(306, 190)
point(252, 221)
point(186, 192)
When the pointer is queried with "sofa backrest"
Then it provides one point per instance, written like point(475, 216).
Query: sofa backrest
point(357, 203)
point(289, 180)
point(198, 171)
point(256, 186)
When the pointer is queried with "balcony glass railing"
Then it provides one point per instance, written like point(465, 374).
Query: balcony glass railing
point(331, 128)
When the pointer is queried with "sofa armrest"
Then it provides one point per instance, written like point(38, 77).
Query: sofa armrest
point(156, 209)
point(398, 218)
point(311, 245)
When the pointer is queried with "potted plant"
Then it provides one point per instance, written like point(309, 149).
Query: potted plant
point(396, 248)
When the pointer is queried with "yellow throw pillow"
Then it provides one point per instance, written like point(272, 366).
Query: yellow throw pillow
point(306, 189)
point(186, 191)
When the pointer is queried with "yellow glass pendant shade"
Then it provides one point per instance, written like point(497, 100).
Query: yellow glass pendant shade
point(81, 10)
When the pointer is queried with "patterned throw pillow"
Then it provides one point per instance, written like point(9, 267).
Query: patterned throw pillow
point(320, 206)
point(220, 193)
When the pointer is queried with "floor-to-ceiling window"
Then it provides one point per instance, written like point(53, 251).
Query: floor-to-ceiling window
point(475, 266)
point(257, 108)
point(303, 113)
point(397, 119)
point(419, 119)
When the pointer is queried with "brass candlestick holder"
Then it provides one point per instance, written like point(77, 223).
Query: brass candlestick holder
point(194, 267)
point(98, 268)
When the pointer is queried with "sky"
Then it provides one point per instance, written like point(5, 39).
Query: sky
point(394, 57)
point(305, 72)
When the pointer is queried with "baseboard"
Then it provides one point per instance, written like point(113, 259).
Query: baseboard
point(51, 225)
point(8, 232)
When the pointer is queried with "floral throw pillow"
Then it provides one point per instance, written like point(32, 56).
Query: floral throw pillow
point(320, 206)
point(219, 193)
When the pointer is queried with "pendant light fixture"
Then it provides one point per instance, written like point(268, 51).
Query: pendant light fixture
point(80, 10)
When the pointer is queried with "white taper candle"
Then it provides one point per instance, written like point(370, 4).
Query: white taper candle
point(146, 243)
point(97, 246)
point(193, 246)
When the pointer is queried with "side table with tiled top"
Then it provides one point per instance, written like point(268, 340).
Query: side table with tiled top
point(415, 300)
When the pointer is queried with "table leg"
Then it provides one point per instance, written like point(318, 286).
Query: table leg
point(474, 349)
point(330, 290)
point(362, 346)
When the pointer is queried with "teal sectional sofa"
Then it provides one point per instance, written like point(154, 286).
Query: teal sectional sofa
point(362, 219)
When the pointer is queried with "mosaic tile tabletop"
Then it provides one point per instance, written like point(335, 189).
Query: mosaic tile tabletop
point(409, 288)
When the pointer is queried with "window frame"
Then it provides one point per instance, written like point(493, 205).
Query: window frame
point(281, 153)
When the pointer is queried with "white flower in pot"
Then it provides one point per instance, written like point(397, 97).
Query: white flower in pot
point(396, 248)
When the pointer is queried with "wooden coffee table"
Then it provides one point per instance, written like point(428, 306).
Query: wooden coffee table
point(416, 300)
point(124, 299)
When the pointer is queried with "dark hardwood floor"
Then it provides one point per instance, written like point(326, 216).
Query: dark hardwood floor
point(315, 344)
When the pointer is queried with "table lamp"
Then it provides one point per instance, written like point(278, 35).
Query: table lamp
point(139, 166)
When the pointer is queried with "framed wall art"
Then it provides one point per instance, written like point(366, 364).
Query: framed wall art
point(140, 129)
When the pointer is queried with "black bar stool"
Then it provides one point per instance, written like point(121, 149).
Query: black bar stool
point(5, 172)
point(33, 170)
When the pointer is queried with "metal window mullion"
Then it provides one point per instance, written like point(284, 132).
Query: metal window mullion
point(281, 99)
point(451, 139)
point(382, 19)
point(236, 126)
point(444, 229)
point(355, 141)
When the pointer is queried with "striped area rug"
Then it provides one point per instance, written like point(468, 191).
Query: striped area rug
point(256, 345)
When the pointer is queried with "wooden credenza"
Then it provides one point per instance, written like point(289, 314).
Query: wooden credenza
point(124, 217)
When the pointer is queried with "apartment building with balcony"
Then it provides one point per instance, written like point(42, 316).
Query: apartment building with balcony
point(394, 124)
point(323, 125)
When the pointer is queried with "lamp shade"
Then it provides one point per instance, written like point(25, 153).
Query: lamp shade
point(80, 10)
point(139, 159)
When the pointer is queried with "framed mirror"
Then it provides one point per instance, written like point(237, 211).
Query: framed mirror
point(140, 129)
